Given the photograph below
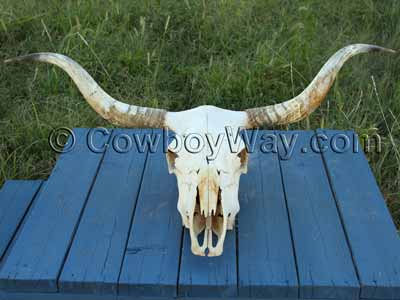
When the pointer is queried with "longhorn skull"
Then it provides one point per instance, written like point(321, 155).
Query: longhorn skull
point(208, 189)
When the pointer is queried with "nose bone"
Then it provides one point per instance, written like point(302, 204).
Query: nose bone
point(208, 191)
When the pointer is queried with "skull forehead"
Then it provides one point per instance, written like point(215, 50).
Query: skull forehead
point(205, 119)
point(209, 124)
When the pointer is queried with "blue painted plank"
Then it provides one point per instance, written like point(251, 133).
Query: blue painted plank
point(265, 253)
point(53, 296)
point(15, 198)
point(94, 261)
point(38, 251)
point(202, 276)
point(67, 296)
point(324, 263)
point(372, 235)
point(151, 262)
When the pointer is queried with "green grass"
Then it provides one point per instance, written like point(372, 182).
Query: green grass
point(180, 54)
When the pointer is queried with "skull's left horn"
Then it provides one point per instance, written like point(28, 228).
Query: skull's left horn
point(116, 112)
point(301, 106)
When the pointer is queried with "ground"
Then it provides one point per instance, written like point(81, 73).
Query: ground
point(181, 54)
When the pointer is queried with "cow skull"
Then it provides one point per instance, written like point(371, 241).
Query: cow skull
point(208, 182)
point(208, 188)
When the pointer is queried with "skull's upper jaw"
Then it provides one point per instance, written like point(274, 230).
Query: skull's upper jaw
point(208, 228)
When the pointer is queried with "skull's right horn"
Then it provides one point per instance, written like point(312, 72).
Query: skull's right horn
point(114, 111)
point(301, 106)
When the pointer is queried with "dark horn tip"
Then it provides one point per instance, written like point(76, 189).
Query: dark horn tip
point(28, 57)
point(383, 49)
point(12, 60)
point(391, 50)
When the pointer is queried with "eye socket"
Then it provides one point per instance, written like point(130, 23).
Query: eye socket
point(198, 171)
point(244, 156)
point(171, 156)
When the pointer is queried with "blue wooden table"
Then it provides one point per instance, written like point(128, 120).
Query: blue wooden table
point(105, 225)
